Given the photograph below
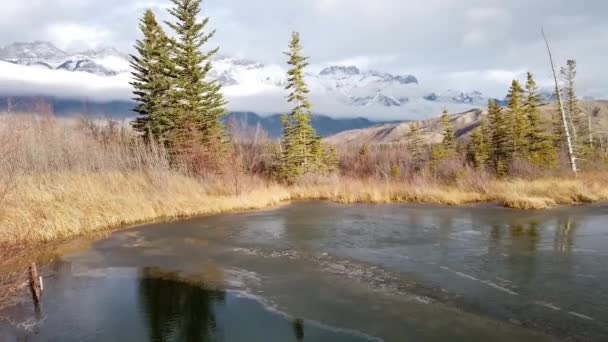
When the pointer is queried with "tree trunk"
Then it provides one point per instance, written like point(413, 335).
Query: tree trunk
point(561, 109)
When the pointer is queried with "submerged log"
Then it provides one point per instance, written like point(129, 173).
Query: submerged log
point(35, 283)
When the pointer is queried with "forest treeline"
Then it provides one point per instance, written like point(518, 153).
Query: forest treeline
point(180, 107)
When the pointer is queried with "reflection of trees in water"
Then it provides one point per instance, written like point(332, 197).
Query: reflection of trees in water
point(298, 329)
point(565, 232)
point(175, 309)
point(525, 238)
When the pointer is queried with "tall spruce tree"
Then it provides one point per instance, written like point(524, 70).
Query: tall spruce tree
point(579, 126)
point(416, 144)
point(447, 147)
point(303, 152)
point(573, 110)
point(331, 160)
point(448, 133)
point(519, 127)
point(197, 102)
point(501, 139)
point(480, 146)
point(541, 151)
point(152, 68)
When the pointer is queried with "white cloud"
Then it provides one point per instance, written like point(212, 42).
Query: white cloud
point(439, 41)
point(77, 36)
point(486, 13)
point(18, 80)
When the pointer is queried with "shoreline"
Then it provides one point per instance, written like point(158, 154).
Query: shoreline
point(84, 208)
point(59, 207)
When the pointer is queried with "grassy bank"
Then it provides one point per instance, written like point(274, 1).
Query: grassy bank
point(44, 208)
point(61, 179)
point(64, 179)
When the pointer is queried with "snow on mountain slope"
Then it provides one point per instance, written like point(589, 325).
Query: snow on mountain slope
point(248, 85)
point(106, 61)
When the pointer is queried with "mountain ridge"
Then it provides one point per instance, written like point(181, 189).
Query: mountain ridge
point(463, 123)
point(346, 90)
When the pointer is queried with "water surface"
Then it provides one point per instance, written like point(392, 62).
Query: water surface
point(327, 272)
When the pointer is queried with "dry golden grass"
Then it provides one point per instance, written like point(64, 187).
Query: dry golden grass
point(60, 180)
point(58, 206)
point(545, 193)
point(62, 205)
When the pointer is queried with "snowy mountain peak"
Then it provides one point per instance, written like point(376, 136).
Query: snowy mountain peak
point(251, 85)
point(106, 61)
point(104, 52)
point(338, 70)
point(37, 50)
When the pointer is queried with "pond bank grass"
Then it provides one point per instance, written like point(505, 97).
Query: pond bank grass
point(57, 206)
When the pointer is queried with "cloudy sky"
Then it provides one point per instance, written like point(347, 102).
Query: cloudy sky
point(462, 44)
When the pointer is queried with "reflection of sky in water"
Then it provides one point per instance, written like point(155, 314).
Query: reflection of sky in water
point(395, 271)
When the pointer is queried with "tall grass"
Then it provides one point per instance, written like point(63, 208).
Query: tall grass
point(60, 179)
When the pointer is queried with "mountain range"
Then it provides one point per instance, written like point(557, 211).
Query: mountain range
point(463, 124)
point(249, 85)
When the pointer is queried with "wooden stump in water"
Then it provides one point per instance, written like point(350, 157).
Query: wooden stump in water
point(35, 283)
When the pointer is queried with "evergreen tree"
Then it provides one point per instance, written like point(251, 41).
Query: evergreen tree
point(416, 143)
point(302, 146)
point(447, 147)
point(318, 155)
point(448, 133)
point(573, 111)
point(540, 148)
point(197, 102)
point(519, 127)
point(480, 147)
point(500, 138)
point(559, 136)
point(331, 160)
point(578, 124)
point(151, 81)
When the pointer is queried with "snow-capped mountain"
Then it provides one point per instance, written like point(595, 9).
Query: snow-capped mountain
point(105, 61)
point(250, 85)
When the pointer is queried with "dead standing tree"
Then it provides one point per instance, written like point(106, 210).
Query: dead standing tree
point(561, 109)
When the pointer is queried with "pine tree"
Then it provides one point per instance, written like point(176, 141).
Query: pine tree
point(318, 156)
point(331, 160)
point(500, 138)
point(578, 125)
point(151, 81)
point(415, 142)
point(519, 127)
point(448, 133)
point(540, 148)
point(302, 150)
point(480, 148)
point(559, 136)
point(447, 146)
point(197, 102)
point(573, 111)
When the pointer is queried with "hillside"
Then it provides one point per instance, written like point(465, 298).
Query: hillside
point(463, 124)
point(323, 124)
